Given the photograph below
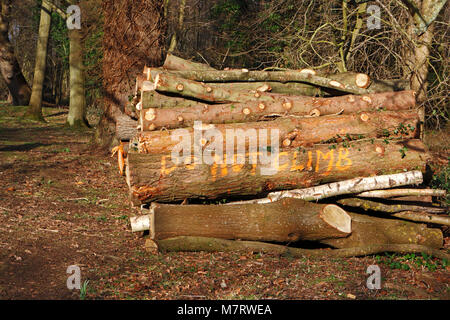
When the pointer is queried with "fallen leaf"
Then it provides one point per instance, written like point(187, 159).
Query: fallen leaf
point(351, 296)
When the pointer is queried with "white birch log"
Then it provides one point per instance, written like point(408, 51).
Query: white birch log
point(351, 186)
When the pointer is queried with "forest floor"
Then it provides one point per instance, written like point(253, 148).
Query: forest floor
point(63, 203)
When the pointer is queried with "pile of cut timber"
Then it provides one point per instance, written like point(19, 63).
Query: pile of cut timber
point(316, 157)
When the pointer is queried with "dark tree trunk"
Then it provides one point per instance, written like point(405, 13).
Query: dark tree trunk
point(133, 38)
point(9, 67)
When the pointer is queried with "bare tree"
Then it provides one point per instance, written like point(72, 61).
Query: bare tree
point(9, 67)
point(35, 108)
point(77, 108)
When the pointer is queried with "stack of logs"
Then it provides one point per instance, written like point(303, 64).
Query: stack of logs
point(347, 143)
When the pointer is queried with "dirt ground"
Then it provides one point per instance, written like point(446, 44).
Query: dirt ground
point(63, 203)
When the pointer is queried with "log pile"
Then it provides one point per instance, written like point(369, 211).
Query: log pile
point(277, 156)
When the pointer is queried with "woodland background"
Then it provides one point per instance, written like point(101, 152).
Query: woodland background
point(121, 37)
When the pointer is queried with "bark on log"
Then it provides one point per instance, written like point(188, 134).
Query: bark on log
point(294, 88)
point(153, 99)
point(126, 128)
point(304, 76)
point(283, 221)
point(375, 86)
point(368, 230)
point(360, 80)
point(423, 217)
point(402, 192)
point(344, 187)
point(389, 85)
point(290, 88)
point(228, 92)
point(161, 178)
point(221, 245)
point(388, 208)
point(266, 105)
point(173, 62)
point(415, 199)
point(293, 132)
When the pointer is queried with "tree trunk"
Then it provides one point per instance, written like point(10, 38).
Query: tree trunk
point(9, 67)
point(377, 231)
point(126, 128)
point(418, 64)
point(158, 178)
point(293, 132)
point(124, 25)
point(283, 221)
point(267, 105)
point(77, 109)
point(35, 109)
point(221, 245)
point(305, 76)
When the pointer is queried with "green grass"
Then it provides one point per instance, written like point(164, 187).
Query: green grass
point(441, 180)
point(409, 261)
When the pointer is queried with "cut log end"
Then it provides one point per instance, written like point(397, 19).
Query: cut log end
point(150, 115)
point(364, 117)
point(180, 87)
point(367, 99)
point(379, 149)
point(337, 218)
point(362, 80)
point(287, 142)
point(246, 111)
point(140, 223)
